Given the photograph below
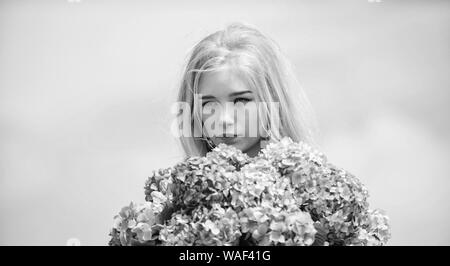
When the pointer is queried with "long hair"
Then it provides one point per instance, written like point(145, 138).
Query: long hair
point(259, 60)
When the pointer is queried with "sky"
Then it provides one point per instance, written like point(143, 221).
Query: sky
point(86, 88)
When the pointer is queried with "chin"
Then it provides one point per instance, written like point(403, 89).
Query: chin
point(242, 143)
point(246, 144)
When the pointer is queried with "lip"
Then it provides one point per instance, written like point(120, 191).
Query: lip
point(228, 135)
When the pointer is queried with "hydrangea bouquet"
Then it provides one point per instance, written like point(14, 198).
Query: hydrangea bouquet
point(287, 195)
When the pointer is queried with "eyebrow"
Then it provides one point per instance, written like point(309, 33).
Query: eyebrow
point(231, 94)
point(239, 93)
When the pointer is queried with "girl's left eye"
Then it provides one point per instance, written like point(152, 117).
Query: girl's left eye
point(244, 100)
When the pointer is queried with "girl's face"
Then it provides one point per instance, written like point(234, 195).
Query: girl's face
point(220, 90)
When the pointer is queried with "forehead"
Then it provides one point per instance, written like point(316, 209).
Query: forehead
point(222, 82)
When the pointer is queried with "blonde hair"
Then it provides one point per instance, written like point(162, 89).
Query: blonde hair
point(260, 61)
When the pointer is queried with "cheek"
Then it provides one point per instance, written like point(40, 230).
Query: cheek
point(246, 143)
point(206, 112)
point(249, 124)
point(205, 117)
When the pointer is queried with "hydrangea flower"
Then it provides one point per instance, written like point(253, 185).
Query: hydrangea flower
point(287, 195)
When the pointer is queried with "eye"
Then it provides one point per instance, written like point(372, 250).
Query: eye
point(243, 100)
point(209, 103)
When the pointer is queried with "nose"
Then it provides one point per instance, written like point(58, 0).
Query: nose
point(227, 120)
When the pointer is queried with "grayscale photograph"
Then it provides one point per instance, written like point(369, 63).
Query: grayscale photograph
point(224, 123)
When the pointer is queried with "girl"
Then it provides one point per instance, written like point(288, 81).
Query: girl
point(240, 65)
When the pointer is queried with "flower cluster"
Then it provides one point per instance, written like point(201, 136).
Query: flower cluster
point(287, 195)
